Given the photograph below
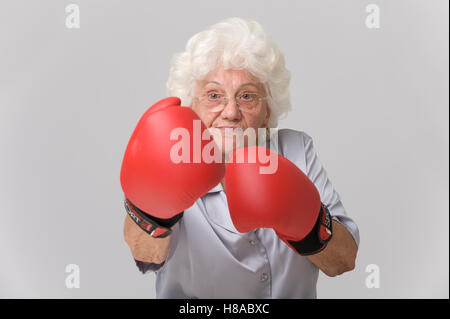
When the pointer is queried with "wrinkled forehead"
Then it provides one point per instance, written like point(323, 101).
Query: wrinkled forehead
point(230, 79)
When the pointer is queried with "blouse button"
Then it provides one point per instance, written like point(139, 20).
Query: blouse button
point(264, 277)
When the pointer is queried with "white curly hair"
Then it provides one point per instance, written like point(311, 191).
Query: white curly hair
point(236, 43)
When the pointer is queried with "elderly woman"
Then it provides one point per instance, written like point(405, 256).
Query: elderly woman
point(234, 79)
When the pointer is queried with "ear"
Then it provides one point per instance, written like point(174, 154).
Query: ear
point(268, 112)
point(266, 103)
point(193, 105)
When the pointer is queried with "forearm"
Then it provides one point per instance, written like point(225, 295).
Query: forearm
point(339, 255)
point(143, 246)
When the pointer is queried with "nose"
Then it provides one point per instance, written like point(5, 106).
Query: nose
point(231, 111)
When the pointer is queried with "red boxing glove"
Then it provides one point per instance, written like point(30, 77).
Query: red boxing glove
point(157, 186)
point(286, 200)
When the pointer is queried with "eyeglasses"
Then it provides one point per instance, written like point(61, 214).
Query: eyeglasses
point(216, 102)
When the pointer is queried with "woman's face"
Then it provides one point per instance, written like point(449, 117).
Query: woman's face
point(230, 83)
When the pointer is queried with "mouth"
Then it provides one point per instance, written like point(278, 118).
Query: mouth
point(234, 128)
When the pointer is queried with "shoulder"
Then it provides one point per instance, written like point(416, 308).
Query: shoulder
point(294, 145)
point(293, 137)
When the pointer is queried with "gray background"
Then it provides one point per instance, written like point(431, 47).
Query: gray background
point(375, 102)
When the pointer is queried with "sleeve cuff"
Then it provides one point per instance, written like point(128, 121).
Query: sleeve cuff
point(144, 267)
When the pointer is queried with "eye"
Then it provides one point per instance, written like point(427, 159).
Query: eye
point(247, 96)
point(213, 96)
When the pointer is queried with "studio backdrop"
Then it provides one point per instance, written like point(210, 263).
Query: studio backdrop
point(369, 84)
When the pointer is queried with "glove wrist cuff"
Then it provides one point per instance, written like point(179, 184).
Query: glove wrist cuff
point(319, 236)
point(155, 227)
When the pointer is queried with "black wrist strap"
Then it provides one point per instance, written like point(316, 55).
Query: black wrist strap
point(319, 236)
point(155, 227)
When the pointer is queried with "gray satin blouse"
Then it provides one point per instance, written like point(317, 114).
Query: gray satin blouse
point(209, 258)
